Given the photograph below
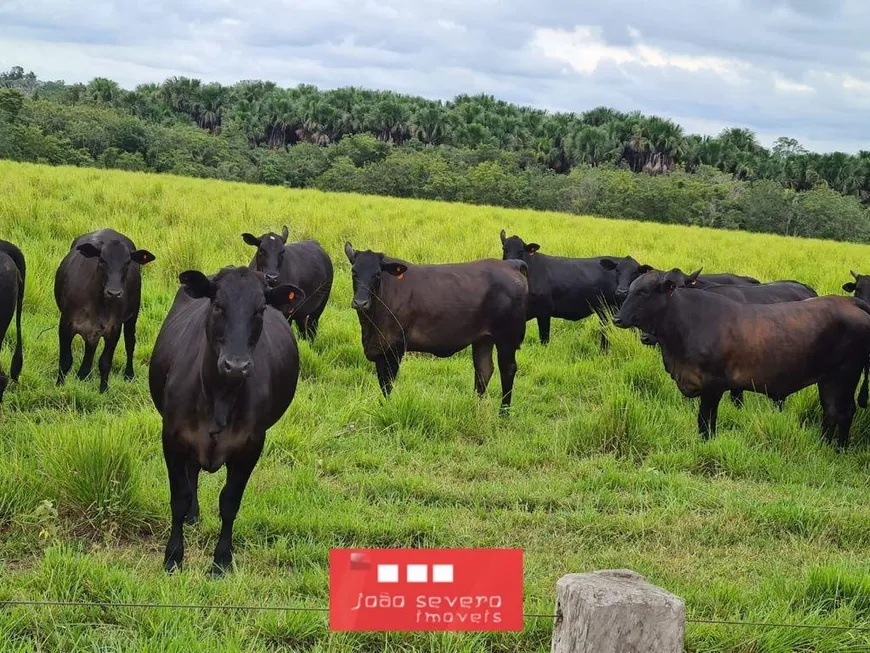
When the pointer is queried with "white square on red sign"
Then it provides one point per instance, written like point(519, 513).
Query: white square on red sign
point(426, 589)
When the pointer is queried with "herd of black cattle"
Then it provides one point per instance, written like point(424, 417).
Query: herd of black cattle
point(225, 364)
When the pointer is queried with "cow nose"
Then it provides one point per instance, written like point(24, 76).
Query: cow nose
point(271, 279)
point(114, 293)
point(360, 305)
point(237, 367)
point(617, 320)
point(621, 294)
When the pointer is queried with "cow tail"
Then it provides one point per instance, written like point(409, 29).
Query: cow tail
point(862, 394)
point(18, 356)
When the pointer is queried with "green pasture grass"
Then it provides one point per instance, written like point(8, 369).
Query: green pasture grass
point(598, 466)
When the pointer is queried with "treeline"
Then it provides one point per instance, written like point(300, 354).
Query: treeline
point(474, 149)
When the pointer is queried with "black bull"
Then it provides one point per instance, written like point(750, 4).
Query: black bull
point(224, 370)
point(774, 292)
point(711, 344)
point(440, 310)
point(304, 264)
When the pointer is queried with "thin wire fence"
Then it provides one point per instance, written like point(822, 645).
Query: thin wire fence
point(301, 608)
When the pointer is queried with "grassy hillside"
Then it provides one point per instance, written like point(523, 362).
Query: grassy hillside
point(599, 465)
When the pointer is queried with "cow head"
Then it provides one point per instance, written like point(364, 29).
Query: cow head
point(515, 248)
point(861, 285)
point(647, 299)
point(683, 280)
point(270, 253)
point(238, 297)
point(627, 270)
point(366, 270)
point(114, 262)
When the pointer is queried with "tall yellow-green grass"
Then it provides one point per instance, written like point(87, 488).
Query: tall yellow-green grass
point(598, 466)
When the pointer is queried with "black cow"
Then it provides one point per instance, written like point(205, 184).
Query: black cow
point(861, 286)
point(774, 292)
point(569, 288)
point(711, 344)
point(441, 310)
point(304, 264)
point(224, 370)
point(98, 288)
point(12, 274)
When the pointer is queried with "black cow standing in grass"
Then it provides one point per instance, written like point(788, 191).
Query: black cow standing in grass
point(304, 264)
point(12, 274)
point(569, 288)
point(711, 344)
point(774, 292)
point(440, 310)
point(98, 288)
point(224, 370)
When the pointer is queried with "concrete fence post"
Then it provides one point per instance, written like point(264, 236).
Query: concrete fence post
point(616, 611)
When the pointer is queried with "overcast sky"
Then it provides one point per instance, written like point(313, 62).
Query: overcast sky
point(798, 68)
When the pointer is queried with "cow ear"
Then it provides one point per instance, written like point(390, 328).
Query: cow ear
point(196, 284)
point(854, 274)
point(608, 264)
point(285, 233)
point(643, 269)
point(88, 250)
point(396, 269)
point(503, 237)
point(670, 286)
point(531, 248)
point(692, 279)
point(849, 287)
point(251, 239)
point(349, 252)
point(286, 297)
point(142, 256)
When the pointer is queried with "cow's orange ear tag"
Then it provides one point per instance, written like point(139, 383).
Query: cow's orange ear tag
point(291, 295)
point(401, 276)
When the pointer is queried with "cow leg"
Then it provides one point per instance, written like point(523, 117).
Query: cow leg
point(130, 345)
point(838, 403)
point(828, 401)
point(302, 327)
point(737, 398)
point(179, 502)
point(88, 359)
point(507, 368)
point(238, 472)
point(708, 412)
point(314, 323)
point(780, 404)
point(65, 338)
point(387, 367)
point(481, 352)
point(544, 329)
point(110, 342)
point(192, 516)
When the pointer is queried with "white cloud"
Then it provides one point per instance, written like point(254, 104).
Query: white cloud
point(585, 51)
point(787, 86)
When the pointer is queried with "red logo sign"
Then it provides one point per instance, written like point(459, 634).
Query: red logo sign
point(426, 589)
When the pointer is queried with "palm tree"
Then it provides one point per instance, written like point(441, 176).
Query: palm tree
point(103, 91)
point(211, 98)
